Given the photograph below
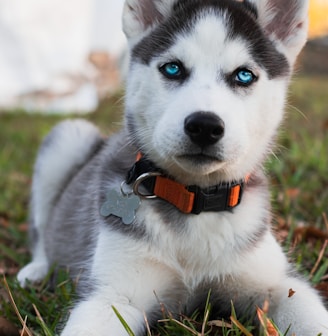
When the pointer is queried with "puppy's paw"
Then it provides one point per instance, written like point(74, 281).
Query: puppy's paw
point(77, 332)
point(33, 272)
point(95, 331)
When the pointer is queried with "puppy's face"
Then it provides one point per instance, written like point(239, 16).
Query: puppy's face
point(205, 97)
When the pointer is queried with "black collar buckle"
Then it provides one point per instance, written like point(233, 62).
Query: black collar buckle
point(215, 198)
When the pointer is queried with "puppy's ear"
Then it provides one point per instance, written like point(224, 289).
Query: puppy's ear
point(286, 24)
point(139, 16)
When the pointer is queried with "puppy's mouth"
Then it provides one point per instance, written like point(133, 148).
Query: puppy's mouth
point(199, 164)
point(200, 159)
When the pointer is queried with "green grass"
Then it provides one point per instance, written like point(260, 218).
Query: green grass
point(299, 175)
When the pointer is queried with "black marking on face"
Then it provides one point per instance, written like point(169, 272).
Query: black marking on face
point(241, 20)
point(261, 48)
point(252, 10)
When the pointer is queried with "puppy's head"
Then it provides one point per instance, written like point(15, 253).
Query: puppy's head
point(207, 81)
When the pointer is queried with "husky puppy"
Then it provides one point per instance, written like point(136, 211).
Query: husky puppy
point(177, 203)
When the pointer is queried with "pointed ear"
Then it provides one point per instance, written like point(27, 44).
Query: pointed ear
point(286, 24)
point(139, 16)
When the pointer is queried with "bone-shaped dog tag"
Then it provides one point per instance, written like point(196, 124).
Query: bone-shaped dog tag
point(122, 206)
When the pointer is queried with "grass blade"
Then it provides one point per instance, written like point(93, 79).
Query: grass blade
point(23, 322)
point(124, 324)
point(46, 330)
point(240, 326)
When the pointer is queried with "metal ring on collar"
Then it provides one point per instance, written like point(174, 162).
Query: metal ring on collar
point(141, 179)
point(126, 193)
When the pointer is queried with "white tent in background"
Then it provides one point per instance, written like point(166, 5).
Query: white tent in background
point(58, 55)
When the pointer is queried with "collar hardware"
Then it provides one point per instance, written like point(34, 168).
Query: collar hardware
point(217, 198)
point(188, 199)
point(141, 179)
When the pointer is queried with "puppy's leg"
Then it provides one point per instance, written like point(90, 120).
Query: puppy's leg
point(303, 312)
point(266, 272)
point(127, 277)
point(133, 297)
point(63, 151)
point(96, 317)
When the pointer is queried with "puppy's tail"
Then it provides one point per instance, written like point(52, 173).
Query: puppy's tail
point(63, 152)
point(68, 146)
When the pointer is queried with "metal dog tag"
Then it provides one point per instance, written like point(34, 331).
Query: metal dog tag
point(120, 205)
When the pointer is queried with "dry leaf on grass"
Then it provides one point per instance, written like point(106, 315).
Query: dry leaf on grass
point(7, 328)
point(291, 293)
point(310, 232)
point(4, 219)
point(267, 325)
point(219, 324)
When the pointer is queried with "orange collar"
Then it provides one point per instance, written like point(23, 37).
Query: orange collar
point(188, 199)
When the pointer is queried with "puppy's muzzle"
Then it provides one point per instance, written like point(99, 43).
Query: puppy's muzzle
point(204, 128)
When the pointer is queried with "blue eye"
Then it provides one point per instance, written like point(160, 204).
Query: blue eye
point(245, 77)
point(173, 70)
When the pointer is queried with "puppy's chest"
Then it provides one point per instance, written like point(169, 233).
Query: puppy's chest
point(203, 243)
point(211, 243)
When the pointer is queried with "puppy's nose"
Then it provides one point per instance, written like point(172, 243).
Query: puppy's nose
point(204, 128)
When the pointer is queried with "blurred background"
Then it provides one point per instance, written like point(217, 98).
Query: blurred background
point(61, 56)
point(57, 55)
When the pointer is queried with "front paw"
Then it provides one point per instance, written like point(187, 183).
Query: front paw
point(99, 330)
point(78, 331)
point(33, 272)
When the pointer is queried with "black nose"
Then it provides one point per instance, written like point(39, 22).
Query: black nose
point(204, 128)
